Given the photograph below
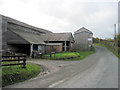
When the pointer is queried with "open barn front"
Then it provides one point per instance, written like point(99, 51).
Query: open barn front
point(19, 48)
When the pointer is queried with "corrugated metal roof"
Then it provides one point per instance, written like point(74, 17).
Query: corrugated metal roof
point(83, 30)
point(53, 44)
point(30, 37)
point(58, 37)
point(10, 20)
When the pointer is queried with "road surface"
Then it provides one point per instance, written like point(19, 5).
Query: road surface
point(99, 70)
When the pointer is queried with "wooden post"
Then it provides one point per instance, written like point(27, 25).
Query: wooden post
point(24, 63)
point(31, 49)
point(50, 53)
point(18, 59)
point(65, 46)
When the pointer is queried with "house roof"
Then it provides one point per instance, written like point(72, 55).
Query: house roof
point(58, 37)
point(10, 20)
point(83, 30)
point(30, 37)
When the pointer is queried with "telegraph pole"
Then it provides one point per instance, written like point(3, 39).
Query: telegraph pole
point(115, 32)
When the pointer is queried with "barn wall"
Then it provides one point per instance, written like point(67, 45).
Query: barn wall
point(4, 35)
point(81, 41)
point(56, 48)
point(90, 36)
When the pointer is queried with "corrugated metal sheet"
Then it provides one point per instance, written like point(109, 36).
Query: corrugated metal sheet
point(10, 20)
point(58, 37)
point(30, 37)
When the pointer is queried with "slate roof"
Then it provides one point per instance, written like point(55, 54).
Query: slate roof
point(58, 37)
point(34, 38)
point(30, 37)
point(10, 20)
point(83, 30)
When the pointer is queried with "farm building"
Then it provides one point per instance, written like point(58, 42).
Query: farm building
point(83, 39)
point(53, 47)
point(60, 41)
point(20, 37)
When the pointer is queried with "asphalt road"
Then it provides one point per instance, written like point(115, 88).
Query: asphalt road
point(99, 70)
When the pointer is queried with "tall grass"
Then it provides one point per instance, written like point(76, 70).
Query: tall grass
point(14, 74)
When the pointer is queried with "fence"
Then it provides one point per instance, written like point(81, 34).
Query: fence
point(13, 58)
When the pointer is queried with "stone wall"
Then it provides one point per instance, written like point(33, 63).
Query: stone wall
point(55, 48)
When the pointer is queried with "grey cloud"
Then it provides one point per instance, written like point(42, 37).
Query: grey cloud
point(70, 15)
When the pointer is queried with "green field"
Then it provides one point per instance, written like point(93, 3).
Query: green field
point(15, 74)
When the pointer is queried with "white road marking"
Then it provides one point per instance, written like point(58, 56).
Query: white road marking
point(54, 84)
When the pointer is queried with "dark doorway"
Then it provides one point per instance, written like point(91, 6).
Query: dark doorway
point(20, 48)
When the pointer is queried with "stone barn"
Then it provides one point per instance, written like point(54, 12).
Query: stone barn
point(61, 41)
point(83, 39)
point(20, 37)
point(53, 47)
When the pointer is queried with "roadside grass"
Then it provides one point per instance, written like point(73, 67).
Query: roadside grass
point(98, 44)
point(62, 55)
point(15, 74)
point(84, 54)
point(66, 55)
point(115, 52)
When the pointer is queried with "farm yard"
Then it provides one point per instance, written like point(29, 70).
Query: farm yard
point(41, 46)
point(36, 42)
point(15, 74)
point(44, 46)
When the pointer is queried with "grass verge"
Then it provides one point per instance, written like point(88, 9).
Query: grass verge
point(15, 74)
point(84, 54)
point(109, 48)
point(65, 55)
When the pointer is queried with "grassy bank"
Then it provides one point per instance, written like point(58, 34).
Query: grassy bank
point(113, 49)
point(84, 54)
point(15, 74)
point(66, 55)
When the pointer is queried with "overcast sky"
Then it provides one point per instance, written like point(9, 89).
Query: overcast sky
point(65, 15)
